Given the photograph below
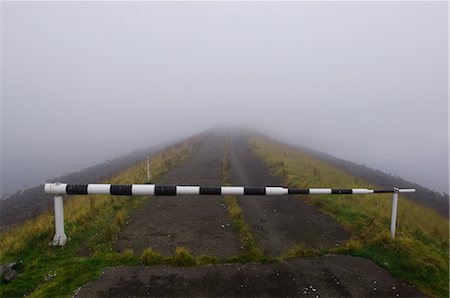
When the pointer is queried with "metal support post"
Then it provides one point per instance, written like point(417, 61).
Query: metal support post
point(60, 237)
point(394, 212)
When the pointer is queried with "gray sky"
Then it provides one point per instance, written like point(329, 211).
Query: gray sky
point(86, 81)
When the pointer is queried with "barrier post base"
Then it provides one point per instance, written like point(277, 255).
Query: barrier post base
point(60, 237)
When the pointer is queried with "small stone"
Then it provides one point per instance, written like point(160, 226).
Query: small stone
point(223, 227)
point(393, 288)
point(375, 289)
point(9, 275)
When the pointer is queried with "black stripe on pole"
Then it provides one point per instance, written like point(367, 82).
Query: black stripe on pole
point(76, 189)
point(341, 192)
point(165, 190)
point(383, 191)
point(210, 191)
point(297, 191)
point(121, 190)
point(254, 191)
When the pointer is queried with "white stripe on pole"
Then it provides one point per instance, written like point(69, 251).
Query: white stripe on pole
point(99, 189)
point(406, 190)
point(188, 190)
point(276, 191)
point(361, 191)
point(55, 188)
point(320, 191)
point(232, 190)
point(143, 190)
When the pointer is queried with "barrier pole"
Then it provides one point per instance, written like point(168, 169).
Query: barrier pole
point(60, 237)
point(60, 189)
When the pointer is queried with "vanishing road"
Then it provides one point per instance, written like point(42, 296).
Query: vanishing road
point(202, 225)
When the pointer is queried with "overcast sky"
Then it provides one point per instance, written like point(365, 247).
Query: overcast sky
point(86, 81)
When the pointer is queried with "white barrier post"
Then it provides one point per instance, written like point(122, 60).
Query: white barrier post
point(394, 212)
point(148, 168)
point(60, 236)
point(394, 207)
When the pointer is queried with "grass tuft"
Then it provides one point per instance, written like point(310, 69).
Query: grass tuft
point(253, 252)
point(300, 251)
point(183, 258)
point(151, 257)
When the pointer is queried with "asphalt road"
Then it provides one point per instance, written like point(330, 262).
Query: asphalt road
point(277, 223)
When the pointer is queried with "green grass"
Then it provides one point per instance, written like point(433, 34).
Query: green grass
point(253, 252)
point(92, 224)
point(420, 252)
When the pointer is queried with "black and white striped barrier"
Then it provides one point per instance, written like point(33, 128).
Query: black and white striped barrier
point(60, 189)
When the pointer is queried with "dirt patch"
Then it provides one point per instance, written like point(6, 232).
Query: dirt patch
point(200, 224)
point(279, 222)
point(318, 277)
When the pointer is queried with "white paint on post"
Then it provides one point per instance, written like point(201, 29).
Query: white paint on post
point(394, 213)
point(148, 168)
point(60, 237)
point(55, 188)
point(361, 191)
point(270, 191)
point(143, 190)
point(232, 190)
point(320, 191)
point(98, 189)
point(188, 190)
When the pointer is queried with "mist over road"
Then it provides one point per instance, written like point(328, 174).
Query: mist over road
point(83, 82)
point(201, 225)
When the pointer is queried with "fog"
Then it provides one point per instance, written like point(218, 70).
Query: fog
point(83, 82)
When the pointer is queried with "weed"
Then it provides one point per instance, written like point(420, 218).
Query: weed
point(151, 257)
point(127, 255)
point(183, 258)
point(204, 260)
point(299, 251)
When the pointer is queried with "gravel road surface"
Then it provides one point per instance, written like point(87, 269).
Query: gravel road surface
point(278, 222)
point(201, 224)
point(317, 277)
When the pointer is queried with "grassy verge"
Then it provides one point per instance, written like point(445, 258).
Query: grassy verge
point(92, 224)
point(253, 252)
point(420, 252)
